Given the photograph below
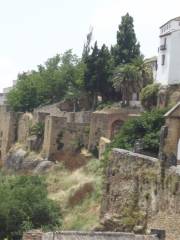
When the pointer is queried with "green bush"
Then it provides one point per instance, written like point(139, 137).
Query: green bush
point(146, 127)
point(149, 96)
point(24, 205)
point(37, 130)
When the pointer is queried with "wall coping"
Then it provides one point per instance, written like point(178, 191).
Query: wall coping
point(133, 154)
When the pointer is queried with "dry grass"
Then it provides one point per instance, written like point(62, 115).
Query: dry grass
point(78, 193)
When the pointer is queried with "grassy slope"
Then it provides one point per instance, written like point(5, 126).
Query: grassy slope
point(64, 185)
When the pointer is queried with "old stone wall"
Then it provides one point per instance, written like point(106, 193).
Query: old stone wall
point(106, 123)
point(8, 130)
point(168, 95)
point(63, 130)
point(132, 190)
point(33, 235)
point(170, 137)
point(138, 191)
point(25, 122)
point(66, 134)
point(87, 236)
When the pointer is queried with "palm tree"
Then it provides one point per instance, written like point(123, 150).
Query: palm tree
point(131, 78)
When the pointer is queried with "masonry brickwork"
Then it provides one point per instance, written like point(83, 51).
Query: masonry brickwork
point(106, 123)
point(137, 190)
point(63, 130)
point(170, 137)
point(87, 236)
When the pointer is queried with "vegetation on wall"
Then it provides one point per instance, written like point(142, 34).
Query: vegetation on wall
point(145, 128)
point(149, 96)
point(37, 130)
point(24, 205)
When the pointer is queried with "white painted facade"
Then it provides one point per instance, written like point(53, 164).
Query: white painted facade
point(168, 72)
point(3, 95)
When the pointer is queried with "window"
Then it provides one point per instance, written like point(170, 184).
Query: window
point(163, 59)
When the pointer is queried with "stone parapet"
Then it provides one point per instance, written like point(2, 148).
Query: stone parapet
point(77, 235)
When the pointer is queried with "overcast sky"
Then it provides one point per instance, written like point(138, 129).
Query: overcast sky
point(33, 30)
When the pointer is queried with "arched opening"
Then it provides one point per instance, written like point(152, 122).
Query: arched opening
point(115, 127)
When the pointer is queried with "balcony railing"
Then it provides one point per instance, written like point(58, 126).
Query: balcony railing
point(163, 47)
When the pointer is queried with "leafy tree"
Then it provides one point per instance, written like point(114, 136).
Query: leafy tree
point(48, 84)
point(146, 127)
point(24, 205)
point(127, 47)
point(149, 96)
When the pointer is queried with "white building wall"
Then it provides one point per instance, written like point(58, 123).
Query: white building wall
point(174, 64)
point(163, 70)
point(169, 73)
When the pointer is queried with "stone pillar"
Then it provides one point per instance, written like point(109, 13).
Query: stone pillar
point(103, 143)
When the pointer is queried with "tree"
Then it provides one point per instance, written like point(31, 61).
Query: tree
point(87, 45)
point(99, 66)
point(24, 205)
point(48, 84)
point(131, 78)
point(127, 79)
point(127, 47)
point(149, 96)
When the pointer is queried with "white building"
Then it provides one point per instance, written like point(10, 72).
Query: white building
point(168, 72)
point(3, 95)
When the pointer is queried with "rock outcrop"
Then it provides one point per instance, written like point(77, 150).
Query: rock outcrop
point(19, 160)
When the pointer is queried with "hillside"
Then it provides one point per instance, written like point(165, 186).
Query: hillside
point(78, 193)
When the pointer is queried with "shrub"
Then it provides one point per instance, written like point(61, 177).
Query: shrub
point(146, 127)
point(24, 205)
point(149, 96)
point(37, 130)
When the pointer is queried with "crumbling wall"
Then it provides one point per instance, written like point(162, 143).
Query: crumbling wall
point(132, 190)
point(170, 136)
point(69, 133)
point(25, 122)
point(8, 130)
point(138, 192)
point(168, 214)
point(102, 123)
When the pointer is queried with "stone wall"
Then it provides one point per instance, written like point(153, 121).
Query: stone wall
point(68, 133)
point(138, 191)
point(63, 130)
point(131, 192)
point(168, 95)
point(25, 122)
point(106, 123)
point(33, 235)
point(170, 136)
point(8, 130)
point(87, 236)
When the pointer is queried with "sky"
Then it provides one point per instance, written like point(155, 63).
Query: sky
point(31, 31)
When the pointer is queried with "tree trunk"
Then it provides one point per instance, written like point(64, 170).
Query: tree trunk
point(94, 101)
